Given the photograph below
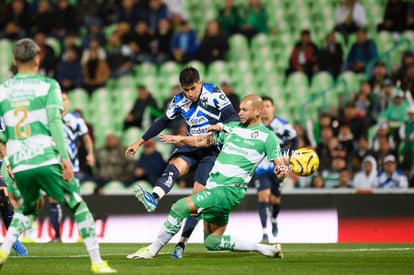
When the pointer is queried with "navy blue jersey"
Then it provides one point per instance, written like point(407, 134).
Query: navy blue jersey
point(204, 112)
point(75, 127)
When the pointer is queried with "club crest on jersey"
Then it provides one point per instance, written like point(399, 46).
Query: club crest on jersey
point(255, 134)
point(204, 101)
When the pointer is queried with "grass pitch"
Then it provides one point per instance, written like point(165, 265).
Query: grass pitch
point(56, 258)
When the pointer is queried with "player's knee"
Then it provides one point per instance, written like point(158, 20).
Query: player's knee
point(181, 208)
point(212, 242)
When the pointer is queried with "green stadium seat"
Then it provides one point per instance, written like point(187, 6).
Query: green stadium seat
point(239, 47)
point(114, 188)
point(297, 79)
point(217, 71)
point(87, 188)
point(145, 69)
point(79, 98)
point(169, 68)
point(351, 79)
point(55, 44)
point(384, 41)
point(201, 68)
point(320, 82)
point(131, 135)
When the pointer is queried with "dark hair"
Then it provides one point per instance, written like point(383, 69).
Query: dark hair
point(265, 97)
point(189, 76)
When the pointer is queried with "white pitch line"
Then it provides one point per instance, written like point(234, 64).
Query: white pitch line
point(284, 250)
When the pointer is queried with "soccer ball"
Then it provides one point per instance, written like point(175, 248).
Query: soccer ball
point(304, 162)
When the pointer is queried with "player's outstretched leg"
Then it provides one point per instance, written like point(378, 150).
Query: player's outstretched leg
point(86, 226)
point(7, 213)
point(55, 216)
point(18, 224)
point(162, 186)
point(179, 211)
point(188, 229)
point(275, 213)
point(146, 198)
point(227, 242)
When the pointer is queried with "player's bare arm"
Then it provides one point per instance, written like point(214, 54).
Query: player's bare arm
point(195, 141)
point(90, 158)
point(3, 155)
point(133, 148)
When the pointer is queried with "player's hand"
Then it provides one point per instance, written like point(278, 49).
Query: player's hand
point(90, 160)
point(281, 171)
point(67, 170)
point(215, 128)
point(132, 149)
point(170, 139)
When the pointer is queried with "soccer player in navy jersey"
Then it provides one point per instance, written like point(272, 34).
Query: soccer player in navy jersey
point(201, 105)
point(269, 187)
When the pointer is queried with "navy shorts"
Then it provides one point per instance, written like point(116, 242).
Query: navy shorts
point(201, 160)
point(268, 181)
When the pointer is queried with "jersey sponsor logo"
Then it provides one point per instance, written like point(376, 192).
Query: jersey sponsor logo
point(229, 148)
point(29, 153)
point(198, 120)
point(198, 131)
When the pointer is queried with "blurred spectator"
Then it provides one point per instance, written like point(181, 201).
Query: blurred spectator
point(346, 138)
point(360, 152)
point(394, 17)
point(378, 77)
point(330, 57)
point(139, 42)
point(350, 16)
point(95, 72)
point(119, 56)
point(160, 43)
point(17, 23)
point(229, 18)
point(227, 88)
point(357, 120)
point(303, 140)
point(395, 115)
point(364, 101)
point(304, 56)
point(317, 182)
point(43, 19)
point(390, 176)
point(253, 19)
point(108, 11)
point(381, 132)
point(150, 164)
point(66, 20)
point(345, 179)
point(367, 177)
point(407, 82)
point(157, 10)
point(184, 43)
point(130, 12)
point(384, 149)
point(214, 44)
point(322, 148)
point(111, 162)
point(69, 74)
point(93, 32)
point(313, 128)
point(384, 99)
point(145, 104)
point(330, 175)
point(407, 138)
point(362, 52)
point(95, 46)
point(410, 15)
point(48, 59)
point(407, 59)
point(71, 40)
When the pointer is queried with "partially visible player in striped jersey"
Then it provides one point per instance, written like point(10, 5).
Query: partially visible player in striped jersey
point(269, 187)
point(201, 105)
point(245, 145)
point(30, 106)
point(75, 128)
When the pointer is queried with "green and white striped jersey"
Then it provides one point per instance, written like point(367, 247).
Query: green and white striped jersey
point(243, 149)
point(24, 101)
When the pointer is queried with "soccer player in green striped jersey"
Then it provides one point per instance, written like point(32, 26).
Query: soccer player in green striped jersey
point(30, 107)
point(245, 145)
